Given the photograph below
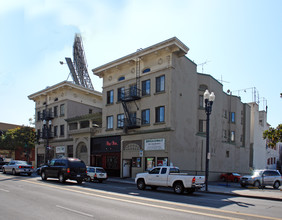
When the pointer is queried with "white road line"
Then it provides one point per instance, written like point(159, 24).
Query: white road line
point(75, 211)
point(4, 190)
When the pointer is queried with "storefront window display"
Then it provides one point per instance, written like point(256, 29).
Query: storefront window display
point(162, 161)
point(136, 161)
point(149, 163)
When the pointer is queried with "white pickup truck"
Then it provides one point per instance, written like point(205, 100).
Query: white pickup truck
point(169, 176)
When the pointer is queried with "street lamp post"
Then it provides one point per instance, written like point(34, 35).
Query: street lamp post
point(209, 99)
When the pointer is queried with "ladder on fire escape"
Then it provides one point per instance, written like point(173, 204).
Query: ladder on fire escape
point(130, 95)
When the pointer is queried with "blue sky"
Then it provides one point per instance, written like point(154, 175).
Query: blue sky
point(240, 39)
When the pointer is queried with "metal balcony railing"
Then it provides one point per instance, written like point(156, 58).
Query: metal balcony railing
point(131, 94)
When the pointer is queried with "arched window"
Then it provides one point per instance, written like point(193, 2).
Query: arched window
point(146, 70)
point(203, 87)
point(121, 78)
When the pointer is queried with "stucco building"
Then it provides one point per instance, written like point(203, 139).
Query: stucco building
point(153, 110)
point(53, 106)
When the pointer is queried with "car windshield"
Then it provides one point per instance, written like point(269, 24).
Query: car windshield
point(236, 174)
point(22, 162)
point(257, 173)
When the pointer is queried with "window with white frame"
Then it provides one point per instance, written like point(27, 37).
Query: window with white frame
point(110, 122)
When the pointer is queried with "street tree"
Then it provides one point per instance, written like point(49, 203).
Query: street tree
point(273, 135)
point(19, 138)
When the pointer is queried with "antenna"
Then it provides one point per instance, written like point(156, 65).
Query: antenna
point(78, 68)
point(221, 80)
point(202, 64)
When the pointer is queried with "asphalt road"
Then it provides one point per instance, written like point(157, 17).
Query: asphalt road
point(24, 197)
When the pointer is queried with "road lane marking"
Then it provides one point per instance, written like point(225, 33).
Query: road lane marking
point(4, 190)
point(75, 211)
point(153, 200)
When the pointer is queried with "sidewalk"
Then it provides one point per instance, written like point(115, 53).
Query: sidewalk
point(233, 189)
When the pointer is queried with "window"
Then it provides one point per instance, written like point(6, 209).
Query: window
point(136, 161)
point(132, 116)
point(227, 154)
point(155, 171)
point(232, 136)
point(120, 120)
point(84, 124)
point(145, 117)
point(62, 110)
point(55, 131)
point(160, 84)
point(146, 87)
point(164, 170)
point(38, 116)
point(133, 90)
point(55, 111)
point(201, 101)
point(110, 97)
point(121, 78)
point(120, 94)
point(90, 111)
point(160, 114)
point(110, 122)
point(62, 130)
point(232, 117)
point(146, 70)
point(202, 126)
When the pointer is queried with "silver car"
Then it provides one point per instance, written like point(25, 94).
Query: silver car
point(96, 173)
point(261, 178)
point(17, 167)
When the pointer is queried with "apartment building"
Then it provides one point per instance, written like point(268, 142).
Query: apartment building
point(53, 106)
point(153, 114)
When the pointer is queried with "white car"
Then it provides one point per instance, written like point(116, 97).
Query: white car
point(17, 167)
point(96, 173)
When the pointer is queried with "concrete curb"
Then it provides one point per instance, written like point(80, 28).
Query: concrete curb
point(210, 192)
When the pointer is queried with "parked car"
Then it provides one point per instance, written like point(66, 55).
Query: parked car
point(17, 167)
point(261, 178)
point(64, 169)
point(96, 173)
point(230, 177)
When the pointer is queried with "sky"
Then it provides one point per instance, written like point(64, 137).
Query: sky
point(238, 42)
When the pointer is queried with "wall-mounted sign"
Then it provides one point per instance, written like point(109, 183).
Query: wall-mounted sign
point(155, 144)
point(60, 149)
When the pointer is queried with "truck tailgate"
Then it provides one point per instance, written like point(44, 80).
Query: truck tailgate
point(199, 179)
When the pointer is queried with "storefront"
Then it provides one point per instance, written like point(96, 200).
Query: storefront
point(105, 152)
point(142, 155)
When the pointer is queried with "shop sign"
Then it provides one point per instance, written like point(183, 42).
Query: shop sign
point(155, 144)
point(60, 149)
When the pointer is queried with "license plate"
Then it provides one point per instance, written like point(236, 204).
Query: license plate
point(243, 181)
point(78, 176)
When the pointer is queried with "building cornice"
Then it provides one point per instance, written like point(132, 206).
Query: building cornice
point(64, 84)
point(174, 42)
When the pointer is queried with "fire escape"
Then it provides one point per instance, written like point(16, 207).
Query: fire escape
point(128, 97)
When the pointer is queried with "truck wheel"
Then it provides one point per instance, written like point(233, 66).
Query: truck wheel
point(141, 184)
point(276, 185)
point(79, 181)
point(3, 169)
point(61, 178)
point(178, 188)
point(14, 172)
point(257, 184)
point(43, 176)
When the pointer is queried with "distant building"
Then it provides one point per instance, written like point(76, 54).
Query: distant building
point(53, 106)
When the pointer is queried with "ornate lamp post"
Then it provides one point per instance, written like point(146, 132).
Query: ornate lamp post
point(209, 99)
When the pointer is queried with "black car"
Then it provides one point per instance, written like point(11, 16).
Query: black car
point(65, 168)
